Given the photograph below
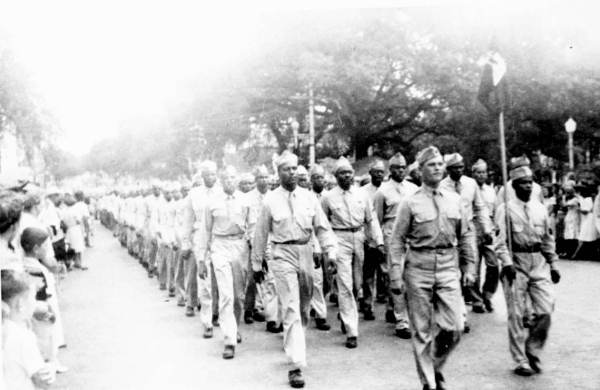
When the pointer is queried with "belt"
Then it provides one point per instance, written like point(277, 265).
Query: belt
point(230, 236)
point(431, 248)
point(533, 248)
point(353, 230)
point(293, 242)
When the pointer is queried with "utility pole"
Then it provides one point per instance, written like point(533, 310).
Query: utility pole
point(311, 126)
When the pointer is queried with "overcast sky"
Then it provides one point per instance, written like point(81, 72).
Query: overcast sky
point(98, 63)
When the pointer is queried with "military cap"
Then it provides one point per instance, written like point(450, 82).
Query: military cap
point(427, 154)
point(520, 173)
point(208, 166)
point(343, 163)
point(479, 164)
point(302, 171)
point(453, 159)
point(247, 177)
point(286, 157)
point(317, 170)
point(377, 164)
point(397, 159)
point(261, 170)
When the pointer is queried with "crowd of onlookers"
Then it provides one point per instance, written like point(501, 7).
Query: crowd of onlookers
point(43, 235)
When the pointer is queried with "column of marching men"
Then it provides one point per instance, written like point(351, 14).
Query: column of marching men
point(257, 247)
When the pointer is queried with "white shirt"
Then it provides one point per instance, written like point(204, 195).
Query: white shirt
point(22, 357)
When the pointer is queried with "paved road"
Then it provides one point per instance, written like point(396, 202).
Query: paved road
point(123, 333)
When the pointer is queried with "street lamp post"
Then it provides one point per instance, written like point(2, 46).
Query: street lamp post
point(570, 126)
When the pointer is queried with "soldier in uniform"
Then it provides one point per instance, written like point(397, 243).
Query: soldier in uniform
point(224, 243)
point(431, 224)
point(256, 197)
point(527, 273)
point(194, 212)
point(477, 217)
point(289, 217)
point(303, 180)
point(486, 251)
point(350, 211)
point(373, 270)
point(318, 304)
point(386, 202)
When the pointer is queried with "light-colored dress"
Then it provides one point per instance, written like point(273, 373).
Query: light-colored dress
point(572, 219)
point(73, 219)
point(587, 231)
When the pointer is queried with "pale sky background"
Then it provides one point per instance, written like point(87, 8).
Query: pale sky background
point(96, 63)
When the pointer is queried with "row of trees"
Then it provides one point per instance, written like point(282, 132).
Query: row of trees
point(383, 81)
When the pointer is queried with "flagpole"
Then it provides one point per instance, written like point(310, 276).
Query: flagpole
point(505, 180)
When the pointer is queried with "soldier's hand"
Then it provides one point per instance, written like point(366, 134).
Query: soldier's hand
point(468, 279)
point(555, 275)
point(202, 270)
point(259, 277)
point(265, 266)
point(317, 258)
point(381, 249)
point(508, 273)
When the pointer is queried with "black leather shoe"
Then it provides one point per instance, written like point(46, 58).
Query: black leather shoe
point(368, 315)
point(440, 382)
point(215, 321)
point(524, 370)
point(312, 313)
point(189, 311)
point(322, 324)
point(229, 352)
point(171, 293)
point(248, 317)
point(162, 287)
point(295, 379)
point(258, 316)
point(478, 308)
point(351, 342)
point(467, 328)
point(403, 333)
point(390, 317)
point(208, 333)
point(534, 362)
point(239, 338)
point(488, 305)
point(273, 328)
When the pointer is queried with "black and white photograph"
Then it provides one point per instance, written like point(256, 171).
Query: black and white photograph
point(328, 195)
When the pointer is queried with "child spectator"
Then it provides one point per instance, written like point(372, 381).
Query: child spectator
point(48, 328)
point(24, 367)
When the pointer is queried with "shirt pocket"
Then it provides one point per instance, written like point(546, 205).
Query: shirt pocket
point(305, 217)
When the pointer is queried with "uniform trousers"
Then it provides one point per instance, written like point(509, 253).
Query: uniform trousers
point(435, 308)
point(396, 302)
point(292, 268)
point(229, 257)
point(532, 283)
point(317, 302)
point(349, 266)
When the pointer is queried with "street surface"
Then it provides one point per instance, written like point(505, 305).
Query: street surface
point(123, 333)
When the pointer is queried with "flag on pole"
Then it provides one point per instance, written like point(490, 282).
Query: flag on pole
point(493, 90)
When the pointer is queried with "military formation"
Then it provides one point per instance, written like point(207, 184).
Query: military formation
point(424, 239)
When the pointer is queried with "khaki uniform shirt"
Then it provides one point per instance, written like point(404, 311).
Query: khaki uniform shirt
point(472, 200)
point(428, 220)
point(291, 217)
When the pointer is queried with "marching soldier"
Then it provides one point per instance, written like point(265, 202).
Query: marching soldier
point(224, 244)
point(194, 213)
point(490, 284)
point(528, 273)
point(477, 215)
point(349, 211)
point(289, 217)
point(536, 189)
point(373, 277)
point(387, 200)
point(431, 224)
point(318, 304)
